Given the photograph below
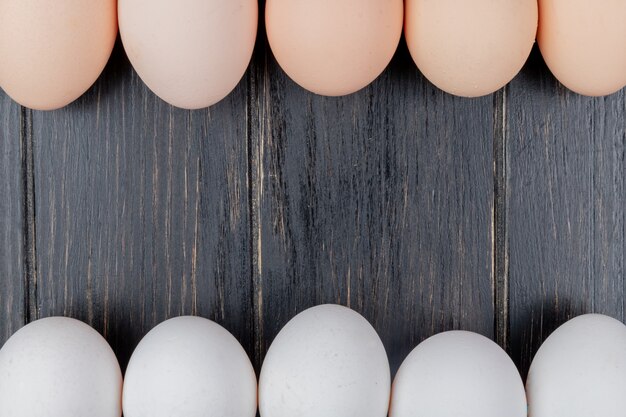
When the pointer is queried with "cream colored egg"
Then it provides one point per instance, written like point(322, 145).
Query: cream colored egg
point(470, 48)
point(59, 367)
point(191, 53)
point(584, 43)
point(52, 51)
point(327, 361)
point(334, 47)
point(580, 370)
point(457, 374)
point(189, 367)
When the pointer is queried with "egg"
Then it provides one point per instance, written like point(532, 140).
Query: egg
point(192, 54)
point(580, 370)
point(456, 374)
point(189, 367)
point(59, 367)
point(52, 51)
point(470, 48)
point(327, 361)
point(584, 43)
point(334, 47)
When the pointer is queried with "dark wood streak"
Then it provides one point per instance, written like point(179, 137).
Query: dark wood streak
point(29, 222)
point(499, 230)
point(566, 175)
point(13, 311)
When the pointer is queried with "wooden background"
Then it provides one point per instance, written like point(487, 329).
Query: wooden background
point(425, 212)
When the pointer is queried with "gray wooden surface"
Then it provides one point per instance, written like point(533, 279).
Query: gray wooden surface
point(12, 274)
point(566, 199)
point(382, 201)
point(425, 212)
point(146, 215)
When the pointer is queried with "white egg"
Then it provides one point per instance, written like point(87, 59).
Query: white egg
point(458, 374)
point(189, 367)
point(580, 370)
point(59, 367)
point(328, 361)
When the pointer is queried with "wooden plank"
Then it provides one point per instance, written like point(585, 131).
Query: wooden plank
point(142, 210)
point(12, 302)
point(382, 200)
point(566, 199)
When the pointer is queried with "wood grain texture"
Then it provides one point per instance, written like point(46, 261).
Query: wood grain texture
point(566, 199)
point(382, 201)
point(142, 211)
point(425, 212)
point(12, 283)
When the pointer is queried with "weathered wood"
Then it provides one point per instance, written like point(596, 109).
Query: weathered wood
point(142, 210)
point(425, 212)
point(12, 276)
point(566, 199)
point(382, 201)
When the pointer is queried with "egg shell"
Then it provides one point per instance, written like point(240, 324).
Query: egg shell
point(584, 43)
point(580, 370)
point(458, 374)
point(470, 48)
point(334, 47)
point(191, 53)
point(327, 361)
point(59, 367)
point(52, 51)
point(189, 367)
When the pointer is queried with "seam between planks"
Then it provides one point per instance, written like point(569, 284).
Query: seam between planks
point(253, 213)
point(256, 123)
point(500, 236)
point(31, 311)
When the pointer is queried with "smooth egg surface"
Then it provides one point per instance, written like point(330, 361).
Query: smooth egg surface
point(327, 361)
point(470, 48)
point(59, 367)
point(457, 374)
point(580, 370)
point(584, 43)
point(334, 47)
point(189, 367)
point(191, 53)
point(53, 51)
